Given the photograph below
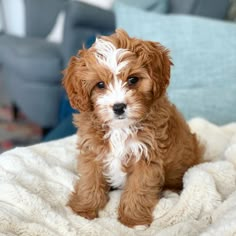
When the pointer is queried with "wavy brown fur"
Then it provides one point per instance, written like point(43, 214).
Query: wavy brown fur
point(172, 148)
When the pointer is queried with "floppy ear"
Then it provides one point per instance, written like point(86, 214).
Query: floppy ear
point(158, 64)
point(75, 84)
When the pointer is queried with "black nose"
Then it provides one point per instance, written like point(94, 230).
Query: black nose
point(119, 108)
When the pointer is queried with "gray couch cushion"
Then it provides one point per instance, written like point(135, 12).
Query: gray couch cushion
point(33, 59)
point(41, 16)
point(39, 101)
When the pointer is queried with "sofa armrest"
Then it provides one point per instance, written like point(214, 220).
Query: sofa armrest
point(82, 22)
point(40, 16)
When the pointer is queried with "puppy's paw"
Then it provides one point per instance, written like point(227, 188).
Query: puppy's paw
point(136, 223)
point(132, 213)
point(90, 215)
point(86, 213)
point(82, 208)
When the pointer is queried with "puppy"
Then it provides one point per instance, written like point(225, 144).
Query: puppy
point(130, 136)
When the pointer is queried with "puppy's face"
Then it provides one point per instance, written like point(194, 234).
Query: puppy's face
point(118, 78)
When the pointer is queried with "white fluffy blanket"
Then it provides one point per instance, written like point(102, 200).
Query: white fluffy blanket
point(35, 183)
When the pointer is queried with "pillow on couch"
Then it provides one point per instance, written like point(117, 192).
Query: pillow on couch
point(203, 78)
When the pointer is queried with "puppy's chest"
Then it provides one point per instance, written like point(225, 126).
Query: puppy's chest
point(124, 147)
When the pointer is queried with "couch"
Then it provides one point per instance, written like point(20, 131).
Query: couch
point(32, 65)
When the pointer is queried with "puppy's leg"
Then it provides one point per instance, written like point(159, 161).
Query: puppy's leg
point(91, 190)
point(141, 193)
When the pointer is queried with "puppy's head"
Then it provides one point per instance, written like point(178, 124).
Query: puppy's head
point(118, 78)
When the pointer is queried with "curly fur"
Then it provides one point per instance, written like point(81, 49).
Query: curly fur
point(147, 149)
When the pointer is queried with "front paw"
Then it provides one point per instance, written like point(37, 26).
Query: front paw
point(136, 218)
point(81, 207)
point(90, 215)
point(87, 204)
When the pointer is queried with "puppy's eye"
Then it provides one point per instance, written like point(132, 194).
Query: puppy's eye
point(100, 85)
point(133, 80)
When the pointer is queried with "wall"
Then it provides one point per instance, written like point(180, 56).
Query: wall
point(14, 16)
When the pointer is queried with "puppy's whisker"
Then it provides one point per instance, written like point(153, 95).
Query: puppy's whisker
point(124, 85)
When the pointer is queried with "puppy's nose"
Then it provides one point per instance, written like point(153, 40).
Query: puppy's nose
point(119, 108)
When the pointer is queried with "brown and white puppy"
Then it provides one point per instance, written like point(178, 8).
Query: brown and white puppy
point(130, 135)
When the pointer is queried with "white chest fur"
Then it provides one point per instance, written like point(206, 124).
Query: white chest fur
point(123, 144)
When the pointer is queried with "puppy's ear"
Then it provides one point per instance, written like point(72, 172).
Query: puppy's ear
point(75, 84)
point(159, 65)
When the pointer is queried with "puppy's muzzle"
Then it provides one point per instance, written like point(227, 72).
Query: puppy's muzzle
point(119, 108)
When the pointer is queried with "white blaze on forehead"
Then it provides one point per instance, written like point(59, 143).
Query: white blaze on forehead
point(111, 57)
point(108, 55)
point(115, 93)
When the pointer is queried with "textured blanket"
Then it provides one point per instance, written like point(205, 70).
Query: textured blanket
point(35, 183)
